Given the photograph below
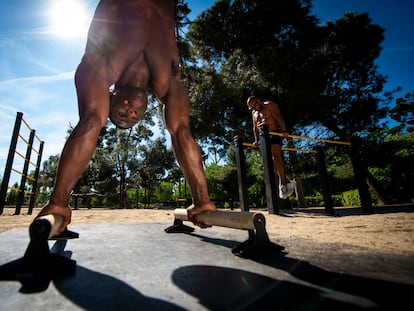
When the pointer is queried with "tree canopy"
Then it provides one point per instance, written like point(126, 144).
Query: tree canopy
point(320, 75)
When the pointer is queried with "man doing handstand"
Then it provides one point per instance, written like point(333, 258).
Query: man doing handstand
point(132, 46)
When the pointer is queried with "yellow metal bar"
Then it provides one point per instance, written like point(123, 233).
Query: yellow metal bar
point(22, 156)
point(15, 189)
point(28, 126)
point(14, 170)
point(299, 150)
point(24, 139)
point(37, 137)
point(315, 139)
point(284, 148)
point(250, 145)
point(18, 190)
point(31, 178)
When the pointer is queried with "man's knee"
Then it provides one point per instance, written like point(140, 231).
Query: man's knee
point(91, 123)
point(180, 132)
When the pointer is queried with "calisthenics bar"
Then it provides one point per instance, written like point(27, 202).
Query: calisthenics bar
point(310, 138)
point(254, 222)
point(284, 148)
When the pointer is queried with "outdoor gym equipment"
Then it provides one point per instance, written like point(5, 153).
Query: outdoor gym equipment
point(254, 222)
point(40, 265)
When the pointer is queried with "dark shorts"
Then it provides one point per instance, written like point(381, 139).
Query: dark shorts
point(276, 140)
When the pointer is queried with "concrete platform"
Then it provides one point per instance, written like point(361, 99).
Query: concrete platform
point(140, 267)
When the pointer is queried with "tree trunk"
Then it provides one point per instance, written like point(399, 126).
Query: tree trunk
point(379, 190)
point(300, 195)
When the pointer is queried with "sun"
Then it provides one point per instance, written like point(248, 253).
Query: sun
point(68, 18)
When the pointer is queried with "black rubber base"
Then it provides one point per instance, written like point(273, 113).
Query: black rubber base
point(40, 265)
point(179, 227)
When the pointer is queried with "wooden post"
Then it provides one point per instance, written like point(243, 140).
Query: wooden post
point(269, 174)
point(323, 176)
point(365, 197)
point(9, 163)
point(241, 173)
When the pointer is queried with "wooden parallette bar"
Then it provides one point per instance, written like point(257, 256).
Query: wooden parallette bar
point(236, 220)
point(258, 241)
point(45, 226)
point(40, 265)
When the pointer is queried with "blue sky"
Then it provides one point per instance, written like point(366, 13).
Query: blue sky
point(37, 63)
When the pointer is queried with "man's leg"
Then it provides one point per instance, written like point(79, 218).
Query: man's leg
point(286, 188)
point(278, 163)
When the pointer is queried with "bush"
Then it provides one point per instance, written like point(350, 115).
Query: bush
point(314, 201)
point(351, 198)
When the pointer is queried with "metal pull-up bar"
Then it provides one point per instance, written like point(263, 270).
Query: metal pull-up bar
point(314, 139)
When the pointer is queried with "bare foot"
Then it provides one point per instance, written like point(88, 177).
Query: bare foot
point(53, 209)
point(193, 210)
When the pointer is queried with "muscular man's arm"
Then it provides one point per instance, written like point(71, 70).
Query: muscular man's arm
point(186, 150)
point(93, 102)
point(255, 129)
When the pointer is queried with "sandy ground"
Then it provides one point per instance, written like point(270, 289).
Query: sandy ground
point(388, 229)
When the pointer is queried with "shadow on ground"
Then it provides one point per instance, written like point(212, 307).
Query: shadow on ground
point(311, 288)
point(96, 291)
point(351, 211)
point(90, 290)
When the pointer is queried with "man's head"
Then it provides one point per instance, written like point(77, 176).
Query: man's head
point(128, 105)
point(253, 102)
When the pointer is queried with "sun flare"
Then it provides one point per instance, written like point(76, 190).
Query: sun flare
point(68, 18)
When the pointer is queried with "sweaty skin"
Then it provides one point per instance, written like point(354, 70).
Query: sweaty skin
point(131, 45)
point(268, 113)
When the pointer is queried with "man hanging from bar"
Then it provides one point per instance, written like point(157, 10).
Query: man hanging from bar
point(268, 113)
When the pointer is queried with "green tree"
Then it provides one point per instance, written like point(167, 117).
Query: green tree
point(47, 174)
point(320, 75)
point(231, 40)
point(222, 183)
point(164, 192)
point(403, 113)
point(12, 195)
point(389, 161)
point(324, 77)
point(349, 104)
point(181, 23)
point(155, 164)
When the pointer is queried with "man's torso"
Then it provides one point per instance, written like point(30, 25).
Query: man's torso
point(132, 42)
point(265, 115)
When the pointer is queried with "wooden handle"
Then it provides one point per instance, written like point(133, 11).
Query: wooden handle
point(44, 227)
point(237, 220)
